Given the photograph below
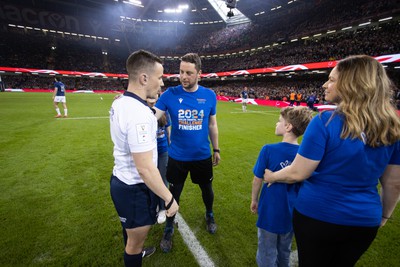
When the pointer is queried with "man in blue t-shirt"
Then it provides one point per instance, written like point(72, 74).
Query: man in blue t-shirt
point(192, 109)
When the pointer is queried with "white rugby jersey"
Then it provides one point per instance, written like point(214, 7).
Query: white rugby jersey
point(133, 128)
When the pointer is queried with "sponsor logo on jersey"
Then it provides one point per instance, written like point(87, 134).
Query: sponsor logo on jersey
point(201, 100)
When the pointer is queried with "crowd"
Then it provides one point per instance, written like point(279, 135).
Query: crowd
point(262, 88)
point(57, 51)
point(32, 49)
point(29, 81)
point(37, 52)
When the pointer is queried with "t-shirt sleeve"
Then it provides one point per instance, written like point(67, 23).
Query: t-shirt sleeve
point(139, 134)
point(214, 104)
point(168, 119)
point(161, 102)
point(314, 139)
point(261, 163)
point(395, 159)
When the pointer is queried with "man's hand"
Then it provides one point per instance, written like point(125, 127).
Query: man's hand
point(216, 158)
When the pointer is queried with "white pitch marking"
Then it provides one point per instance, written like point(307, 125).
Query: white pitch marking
point(294, 259)
point(85, 118)
point(251, 111)
point(193, 244)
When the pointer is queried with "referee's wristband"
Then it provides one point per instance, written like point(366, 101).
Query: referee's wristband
point(170, 203)
point(216, 150)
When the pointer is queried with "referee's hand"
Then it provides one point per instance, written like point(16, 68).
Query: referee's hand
point(173, 209)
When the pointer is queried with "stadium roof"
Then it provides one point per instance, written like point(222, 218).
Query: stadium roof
point(196, 11)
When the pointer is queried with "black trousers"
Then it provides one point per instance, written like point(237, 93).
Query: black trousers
point(330, 245)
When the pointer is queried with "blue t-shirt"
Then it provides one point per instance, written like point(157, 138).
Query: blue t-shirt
point(190, 112)
point(245, 95)
point(162, 139)
point(343, 188)
point(60, 88)
point(275, 205)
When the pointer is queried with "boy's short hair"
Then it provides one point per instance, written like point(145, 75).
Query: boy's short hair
point(298, 117)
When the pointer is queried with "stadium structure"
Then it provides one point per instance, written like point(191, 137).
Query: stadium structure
point(295, 41)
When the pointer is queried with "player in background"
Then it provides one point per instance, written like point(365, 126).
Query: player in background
point(192, 108)
point(59, 97)
point(245, 98)
point(311, 101)
point(274, 205)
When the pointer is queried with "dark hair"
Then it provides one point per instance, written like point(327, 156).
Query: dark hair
point(193, 58)
point(141, 60)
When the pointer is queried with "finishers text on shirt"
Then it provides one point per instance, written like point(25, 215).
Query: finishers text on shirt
point(190, 112)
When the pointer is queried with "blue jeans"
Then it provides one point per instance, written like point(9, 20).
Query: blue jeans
point(162, 167)
point(273, 249)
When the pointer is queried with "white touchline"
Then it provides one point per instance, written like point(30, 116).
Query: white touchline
point(200, 254)
point(85, 118)
point(193, 244)
point(294, 258)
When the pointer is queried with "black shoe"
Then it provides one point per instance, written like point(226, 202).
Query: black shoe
point(147, 252)
point(166, 241)
point(210, 224)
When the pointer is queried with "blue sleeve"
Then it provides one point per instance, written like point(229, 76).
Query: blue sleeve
point(168, 119)
point(395, 159)
point(214, 106)
point(314, 139)
point(262, 163)
point(161, 103)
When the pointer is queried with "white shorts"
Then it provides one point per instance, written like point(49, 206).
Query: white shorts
point(245, 100)
point(59, 99)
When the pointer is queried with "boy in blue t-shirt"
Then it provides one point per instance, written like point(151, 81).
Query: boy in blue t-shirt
point(275, 203)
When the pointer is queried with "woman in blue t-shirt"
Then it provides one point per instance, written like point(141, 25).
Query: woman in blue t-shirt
point(343, 156)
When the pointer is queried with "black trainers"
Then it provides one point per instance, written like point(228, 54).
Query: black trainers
point(210, 224)
point(166, 241)
point(147, 252)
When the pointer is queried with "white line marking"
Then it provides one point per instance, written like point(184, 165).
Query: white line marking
point(294, 259)
point(193, 244)
point(251, 111)
point(85, 118)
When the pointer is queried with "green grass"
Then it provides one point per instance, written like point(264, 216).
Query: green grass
point(55, 207)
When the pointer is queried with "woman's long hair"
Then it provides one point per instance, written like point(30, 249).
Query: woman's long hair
point(365, 93)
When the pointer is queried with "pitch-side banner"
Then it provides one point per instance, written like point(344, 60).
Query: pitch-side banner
point(299, 67)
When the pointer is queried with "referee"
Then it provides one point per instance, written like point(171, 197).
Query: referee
point(135, 180)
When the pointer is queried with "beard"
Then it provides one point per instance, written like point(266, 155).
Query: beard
point(188, 85)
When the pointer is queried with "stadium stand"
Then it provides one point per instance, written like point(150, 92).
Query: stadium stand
point(268, 41)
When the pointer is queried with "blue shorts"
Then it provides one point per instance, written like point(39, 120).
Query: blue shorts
point(135, 204)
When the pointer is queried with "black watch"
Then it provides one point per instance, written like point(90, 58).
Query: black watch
point(216, 150)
